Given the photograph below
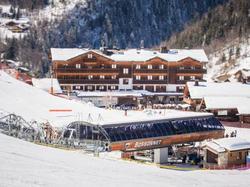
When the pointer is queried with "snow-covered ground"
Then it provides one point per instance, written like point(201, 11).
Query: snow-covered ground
point(35, 104)
point(217, 68)
point(27, 164)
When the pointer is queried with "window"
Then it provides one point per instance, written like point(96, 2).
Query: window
point(101, 87)
point(90, 56)
point(240, 155)
point(150, 66)
point(181, 78)
point(78, 87)
point(192, 67)
point(181, 88)
point(78, 66)
point(90, 77)
point(113, 66)
point(181, 67)
point(161, 66)
point(125, 70)
point(112, 87)
point(89, 87)
point(113, 77)
point(102, 77)
point(150, 77)
point(192, 78)
point(138, 66)
point(138, 77)
point(161, 77)
point(125, 81)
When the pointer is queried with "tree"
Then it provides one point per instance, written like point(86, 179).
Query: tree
point(238, 52)
point(18, 14)
point(12, 50)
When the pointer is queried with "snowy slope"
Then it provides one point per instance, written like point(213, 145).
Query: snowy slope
point(27, 164)
point(230, 66)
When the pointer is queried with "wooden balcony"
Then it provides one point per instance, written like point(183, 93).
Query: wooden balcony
point(149, 81)
point(86, 70)
point(88, 81)
point(191, 71)
point(150, 71)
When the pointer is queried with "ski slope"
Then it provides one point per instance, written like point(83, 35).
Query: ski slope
point(27, 164)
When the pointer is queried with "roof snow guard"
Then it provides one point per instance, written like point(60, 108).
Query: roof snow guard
point(152, 134)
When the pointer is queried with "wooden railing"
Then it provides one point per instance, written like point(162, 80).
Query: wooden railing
point(88, 81)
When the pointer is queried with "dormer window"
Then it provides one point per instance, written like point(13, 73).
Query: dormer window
point(78, 66)
point(90, 55)
point(150, 66)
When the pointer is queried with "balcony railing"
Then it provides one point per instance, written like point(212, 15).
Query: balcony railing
point(150, 82)
point(150, 70)
point(191, 70)
point(88, 81)
point(86, 70)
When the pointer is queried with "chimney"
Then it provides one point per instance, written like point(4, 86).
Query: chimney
point(196, 83)
point(164, 49)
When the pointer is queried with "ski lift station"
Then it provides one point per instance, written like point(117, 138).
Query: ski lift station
point(149, 133)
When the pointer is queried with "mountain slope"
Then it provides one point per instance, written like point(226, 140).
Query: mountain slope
point(224, 33)
point(125, 23)
point(112, 23)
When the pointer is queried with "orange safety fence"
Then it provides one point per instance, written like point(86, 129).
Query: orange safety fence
point(60, 110)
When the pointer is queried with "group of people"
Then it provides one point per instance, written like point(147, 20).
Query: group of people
point(232, 134)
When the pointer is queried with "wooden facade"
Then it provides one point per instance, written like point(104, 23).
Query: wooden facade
point(93, 71)
point(153, 143)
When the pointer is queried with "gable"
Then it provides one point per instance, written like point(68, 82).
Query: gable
point(90, 57)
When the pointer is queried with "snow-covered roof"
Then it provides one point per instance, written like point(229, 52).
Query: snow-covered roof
point(230, 144)
point(172, 55)
point(46, 83)
point(240, 103)
point(66, 53)
point(246, 73)
point(63, 54)
point(226, 89)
